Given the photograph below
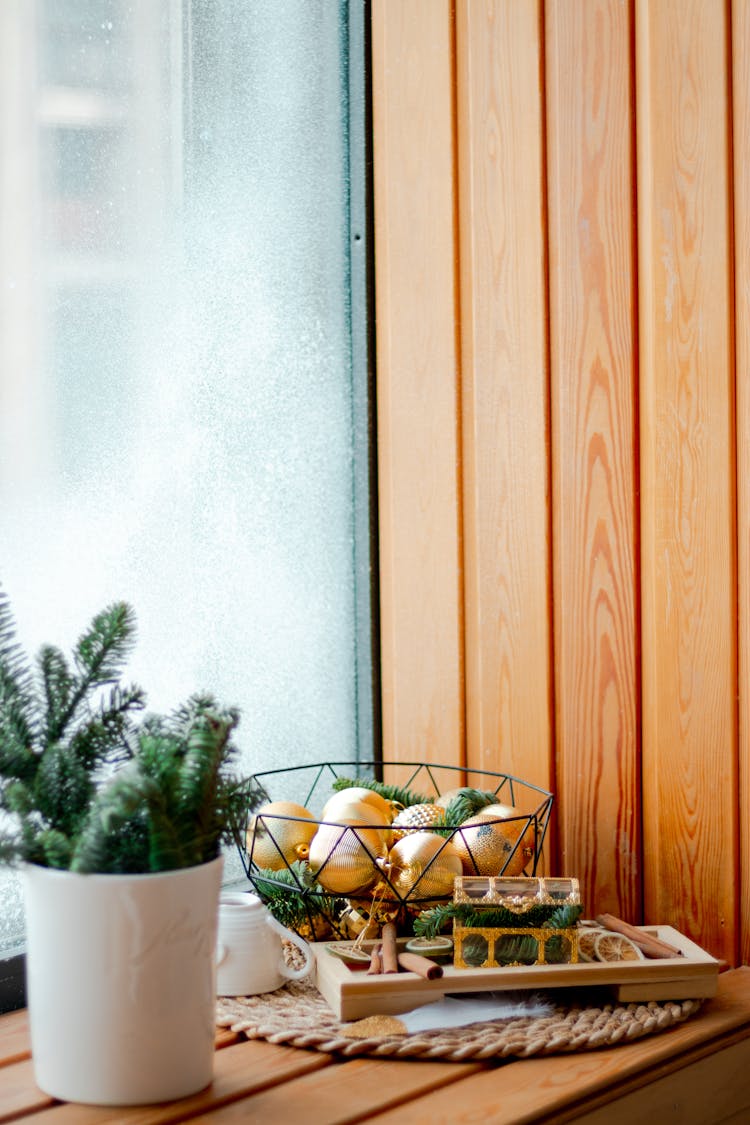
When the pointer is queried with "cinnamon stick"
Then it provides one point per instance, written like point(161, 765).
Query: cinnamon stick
point(423, 966)
point(376, 961)
point(389, 951)
point(647, 943)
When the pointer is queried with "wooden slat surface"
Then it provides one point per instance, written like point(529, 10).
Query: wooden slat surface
point(689, 758)
point(542, 1089)
point(591, 254)
point(256, 1080)
point(741, 147)
point(349, 1092)
point(14, 1037)
point(417, 382)
point(238, 1073)
point(504, 388)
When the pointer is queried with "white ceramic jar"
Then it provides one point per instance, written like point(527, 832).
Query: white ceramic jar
point(121, 983)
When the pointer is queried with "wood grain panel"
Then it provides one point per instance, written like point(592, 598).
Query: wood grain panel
point(417, 383)
point(504, 389)
point(741, 147)
point(687, 465)
point(592, 352)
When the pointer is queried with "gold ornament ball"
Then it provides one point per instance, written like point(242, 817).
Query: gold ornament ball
point(414, 817)
point(343, 859)
point(485, 842)
point(278, 841)
point(422, 865)
point(362, 795)
point(357, 812)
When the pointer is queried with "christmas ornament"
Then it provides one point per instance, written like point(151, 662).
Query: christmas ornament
point(415, 817)
point(342, 856)
point(422, 865)
point(361, 795)
point(340, 811)
point(275, 839)
point(485, 842)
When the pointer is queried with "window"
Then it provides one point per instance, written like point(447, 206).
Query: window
point(184, 412)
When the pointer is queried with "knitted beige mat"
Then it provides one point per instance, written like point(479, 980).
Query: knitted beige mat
point(298, 1016)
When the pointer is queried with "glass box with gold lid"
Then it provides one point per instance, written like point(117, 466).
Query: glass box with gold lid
point(502, 921)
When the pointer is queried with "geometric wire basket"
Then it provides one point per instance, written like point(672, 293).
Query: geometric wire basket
point(297, 893)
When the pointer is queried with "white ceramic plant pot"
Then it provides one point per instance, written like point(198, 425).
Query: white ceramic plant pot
point(121, 982)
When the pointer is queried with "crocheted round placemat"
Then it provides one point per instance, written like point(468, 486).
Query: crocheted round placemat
point(298, 1016)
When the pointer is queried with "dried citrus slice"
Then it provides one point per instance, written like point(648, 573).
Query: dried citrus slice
point(353, 954)
point(437, 948)
point(587, 942)
point(615, 947)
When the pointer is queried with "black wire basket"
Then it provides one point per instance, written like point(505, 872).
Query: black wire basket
point(328, 876)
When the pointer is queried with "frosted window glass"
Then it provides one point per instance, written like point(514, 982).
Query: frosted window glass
point(180, 406)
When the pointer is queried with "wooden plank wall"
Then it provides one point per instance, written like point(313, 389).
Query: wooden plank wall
point(562, 245)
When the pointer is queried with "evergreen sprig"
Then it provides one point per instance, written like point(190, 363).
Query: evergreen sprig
point(466, 803)
point(295, 899)
point(89, 790)
point(396, 793)
point(432, 922)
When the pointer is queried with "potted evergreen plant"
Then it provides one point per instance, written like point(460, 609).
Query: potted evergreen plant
point(116, 818)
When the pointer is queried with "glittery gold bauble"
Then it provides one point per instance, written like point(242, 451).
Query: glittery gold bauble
point(359, 793)
point(485, 842)
point(415, 817)
point(342, 859)
point(274, 840)
point(422, 865)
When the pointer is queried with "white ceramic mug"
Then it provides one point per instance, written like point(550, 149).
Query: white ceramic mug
point(249, 954)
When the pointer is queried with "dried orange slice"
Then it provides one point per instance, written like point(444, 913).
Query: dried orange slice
point(587, 942)
point(615, 947)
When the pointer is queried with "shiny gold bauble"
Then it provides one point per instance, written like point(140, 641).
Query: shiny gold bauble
point(422, 865)
point(342, 858)
point(414, 817)
point(357, 812)
point(485, 841)
point(278, 841)
point(362, 795)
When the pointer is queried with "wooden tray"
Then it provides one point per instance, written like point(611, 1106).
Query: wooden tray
point(353, 994)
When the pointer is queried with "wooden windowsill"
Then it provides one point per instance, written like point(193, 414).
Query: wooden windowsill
point(697, 1072)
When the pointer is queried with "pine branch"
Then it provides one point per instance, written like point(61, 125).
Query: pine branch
point(432, 922)
point(101, 652)
point(104, 737)
point(58, 684)
point(294, 897)
point(171, 804)
point(56, 848)
point(17, 705)
point(463, 805)
point(198, 782)
point(100, 655)
point(63, 788)
point(394, 793)
point(466, 803)
point(114, 836)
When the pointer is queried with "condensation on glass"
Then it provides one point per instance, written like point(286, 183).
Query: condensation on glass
point(178, 395)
